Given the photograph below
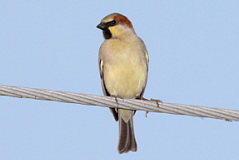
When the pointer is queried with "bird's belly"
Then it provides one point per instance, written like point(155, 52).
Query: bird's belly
point(125, 80)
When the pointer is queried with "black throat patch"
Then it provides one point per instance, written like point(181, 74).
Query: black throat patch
point(107, 34)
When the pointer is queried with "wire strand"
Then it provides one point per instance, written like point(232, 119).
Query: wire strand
point(133, 104)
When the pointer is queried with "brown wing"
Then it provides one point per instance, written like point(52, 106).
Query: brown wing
point(106, 93)
point(147, 61)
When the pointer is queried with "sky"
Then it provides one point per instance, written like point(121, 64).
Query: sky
point(194, 53)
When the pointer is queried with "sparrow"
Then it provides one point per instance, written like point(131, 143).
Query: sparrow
point(123, 65)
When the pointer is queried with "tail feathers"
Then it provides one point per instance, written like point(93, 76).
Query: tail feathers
point(127, 140)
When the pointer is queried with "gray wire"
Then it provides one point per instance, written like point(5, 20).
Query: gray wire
point(133, 104)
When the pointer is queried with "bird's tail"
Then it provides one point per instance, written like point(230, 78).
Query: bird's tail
point(127, 140)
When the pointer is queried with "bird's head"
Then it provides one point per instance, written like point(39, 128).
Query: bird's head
point(115, 25)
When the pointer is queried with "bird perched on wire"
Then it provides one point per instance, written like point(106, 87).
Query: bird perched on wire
point(123, 64)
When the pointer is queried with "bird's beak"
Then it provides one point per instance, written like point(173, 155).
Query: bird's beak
point(101, 26)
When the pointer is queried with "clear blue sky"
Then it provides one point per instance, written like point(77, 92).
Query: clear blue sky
point(194, 59)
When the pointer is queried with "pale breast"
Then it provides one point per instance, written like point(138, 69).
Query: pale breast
point(125, 69)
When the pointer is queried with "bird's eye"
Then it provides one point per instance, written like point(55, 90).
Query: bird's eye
point(113, 23)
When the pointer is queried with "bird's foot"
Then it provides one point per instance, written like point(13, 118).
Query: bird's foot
point(144, 99)
point(116, 101)
point(157, 102)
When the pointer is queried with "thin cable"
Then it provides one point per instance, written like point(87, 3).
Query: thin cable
point(133, 104)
